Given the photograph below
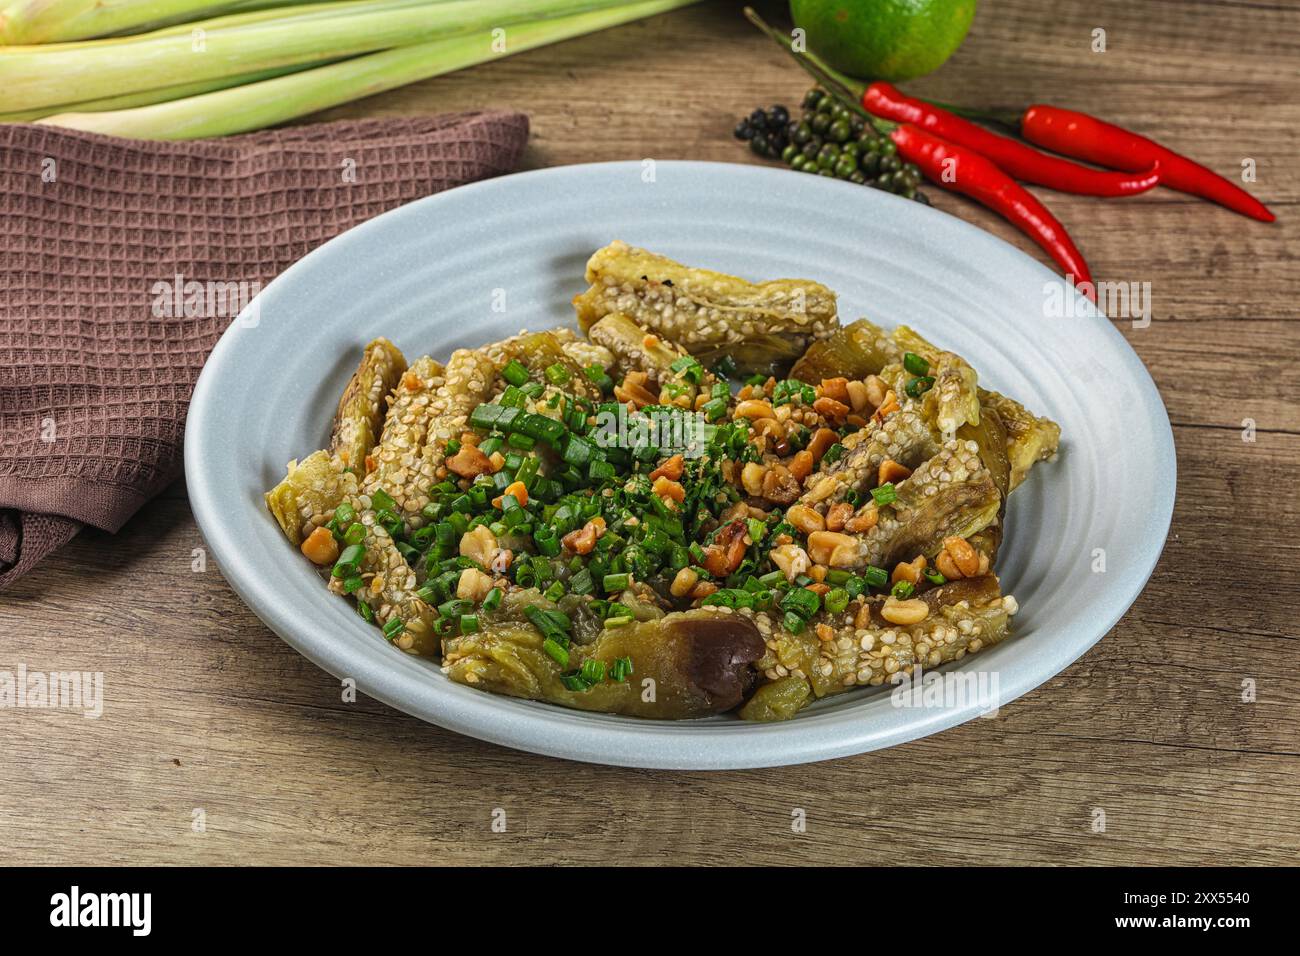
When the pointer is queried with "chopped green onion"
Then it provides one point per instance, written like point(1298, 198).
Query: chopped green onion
point(393, 628)
point(616, 582)
point(915, 364)
point(593, 671)
point(837, 599)
point(556, 651)
point(876, 577)
point(902, 590)
point(557, 374)
point(573, 680)
point(620, 669)
point(348, 560)
point(884, 494)
point(468, 623)
point(919, 386)
point(492, 600)
point(515, 373)
point(934, 577)
point(620, 621)
point(801, 601)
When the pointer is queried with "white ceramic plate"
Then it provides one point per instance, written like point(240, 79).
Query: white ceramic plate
point(428, 276)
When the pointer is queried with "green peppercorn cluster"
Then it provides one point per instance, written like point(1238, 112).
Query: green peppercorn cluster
point(830, 139)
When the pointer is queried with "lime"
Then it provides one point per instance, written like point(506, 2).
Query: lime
point(884, 39)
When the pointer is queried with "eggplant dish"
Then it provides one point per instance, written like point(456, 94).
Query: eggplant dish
point(715, 497)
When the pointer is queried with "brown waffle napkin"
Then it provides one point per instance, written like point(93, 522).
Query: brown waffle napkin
point(94, 381)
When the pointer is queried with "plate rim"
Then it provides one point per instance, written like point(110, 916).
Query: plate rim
point(480, 715)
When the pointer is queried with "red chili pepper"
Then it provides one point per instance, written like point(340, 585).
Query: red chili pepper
point(1086, 137)
point(1022, 162)
point(962, 170)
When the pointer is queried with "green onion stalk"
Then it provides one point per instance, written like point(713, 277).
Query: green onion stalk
point(277, 100)
point(40, 76)
point(53, 21)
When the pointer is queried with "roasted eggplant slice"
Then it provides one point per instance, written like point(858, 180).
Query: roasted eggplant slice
point(853, 351)
point(361, 410)
point(860, 648)
point(431, 406)
point(951, 494)
point(905, 437)
point(758, 325)
point(1030, 439)
point(634, 349)
point(690, 664)
point(309, 493)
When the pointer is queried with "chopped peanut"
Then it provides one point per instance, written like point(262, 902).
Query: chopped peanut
point(672, 468)
point(909, 571)
point(469, 462)
point(801, 465)
point(830, 409)
point(876, 390)
point(891, 471)
point(780, 485)
point(818, 588)
point(958, 556)
point(864, 520)
point(479, 544)
point(887, 407)
point(818, 573)
point(633, 389)
point(805, 519)
point(824, 488)
point(515, 488)
point(822, 439)
point(727, 550)
point(582, 540)
point(684, 582)
point(913, 611)
point(320, 547)
point(837, 516)
point(836, 388)
point(751, 477)
point(791, 559)
point(703, 589)
point(858, 398)
point(832, 548)
point(473, 585)
point(669, 490)
point(753, 408)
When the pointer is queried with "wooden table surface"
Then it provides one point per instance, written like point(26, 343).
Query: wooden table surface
point(210, 718)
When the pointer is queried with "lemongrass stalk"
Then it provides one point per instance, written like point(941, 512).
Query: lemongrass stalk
point(149, 97)
point(54, 21)
point(95, 69)
point(301, 13)
point(257, 105)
